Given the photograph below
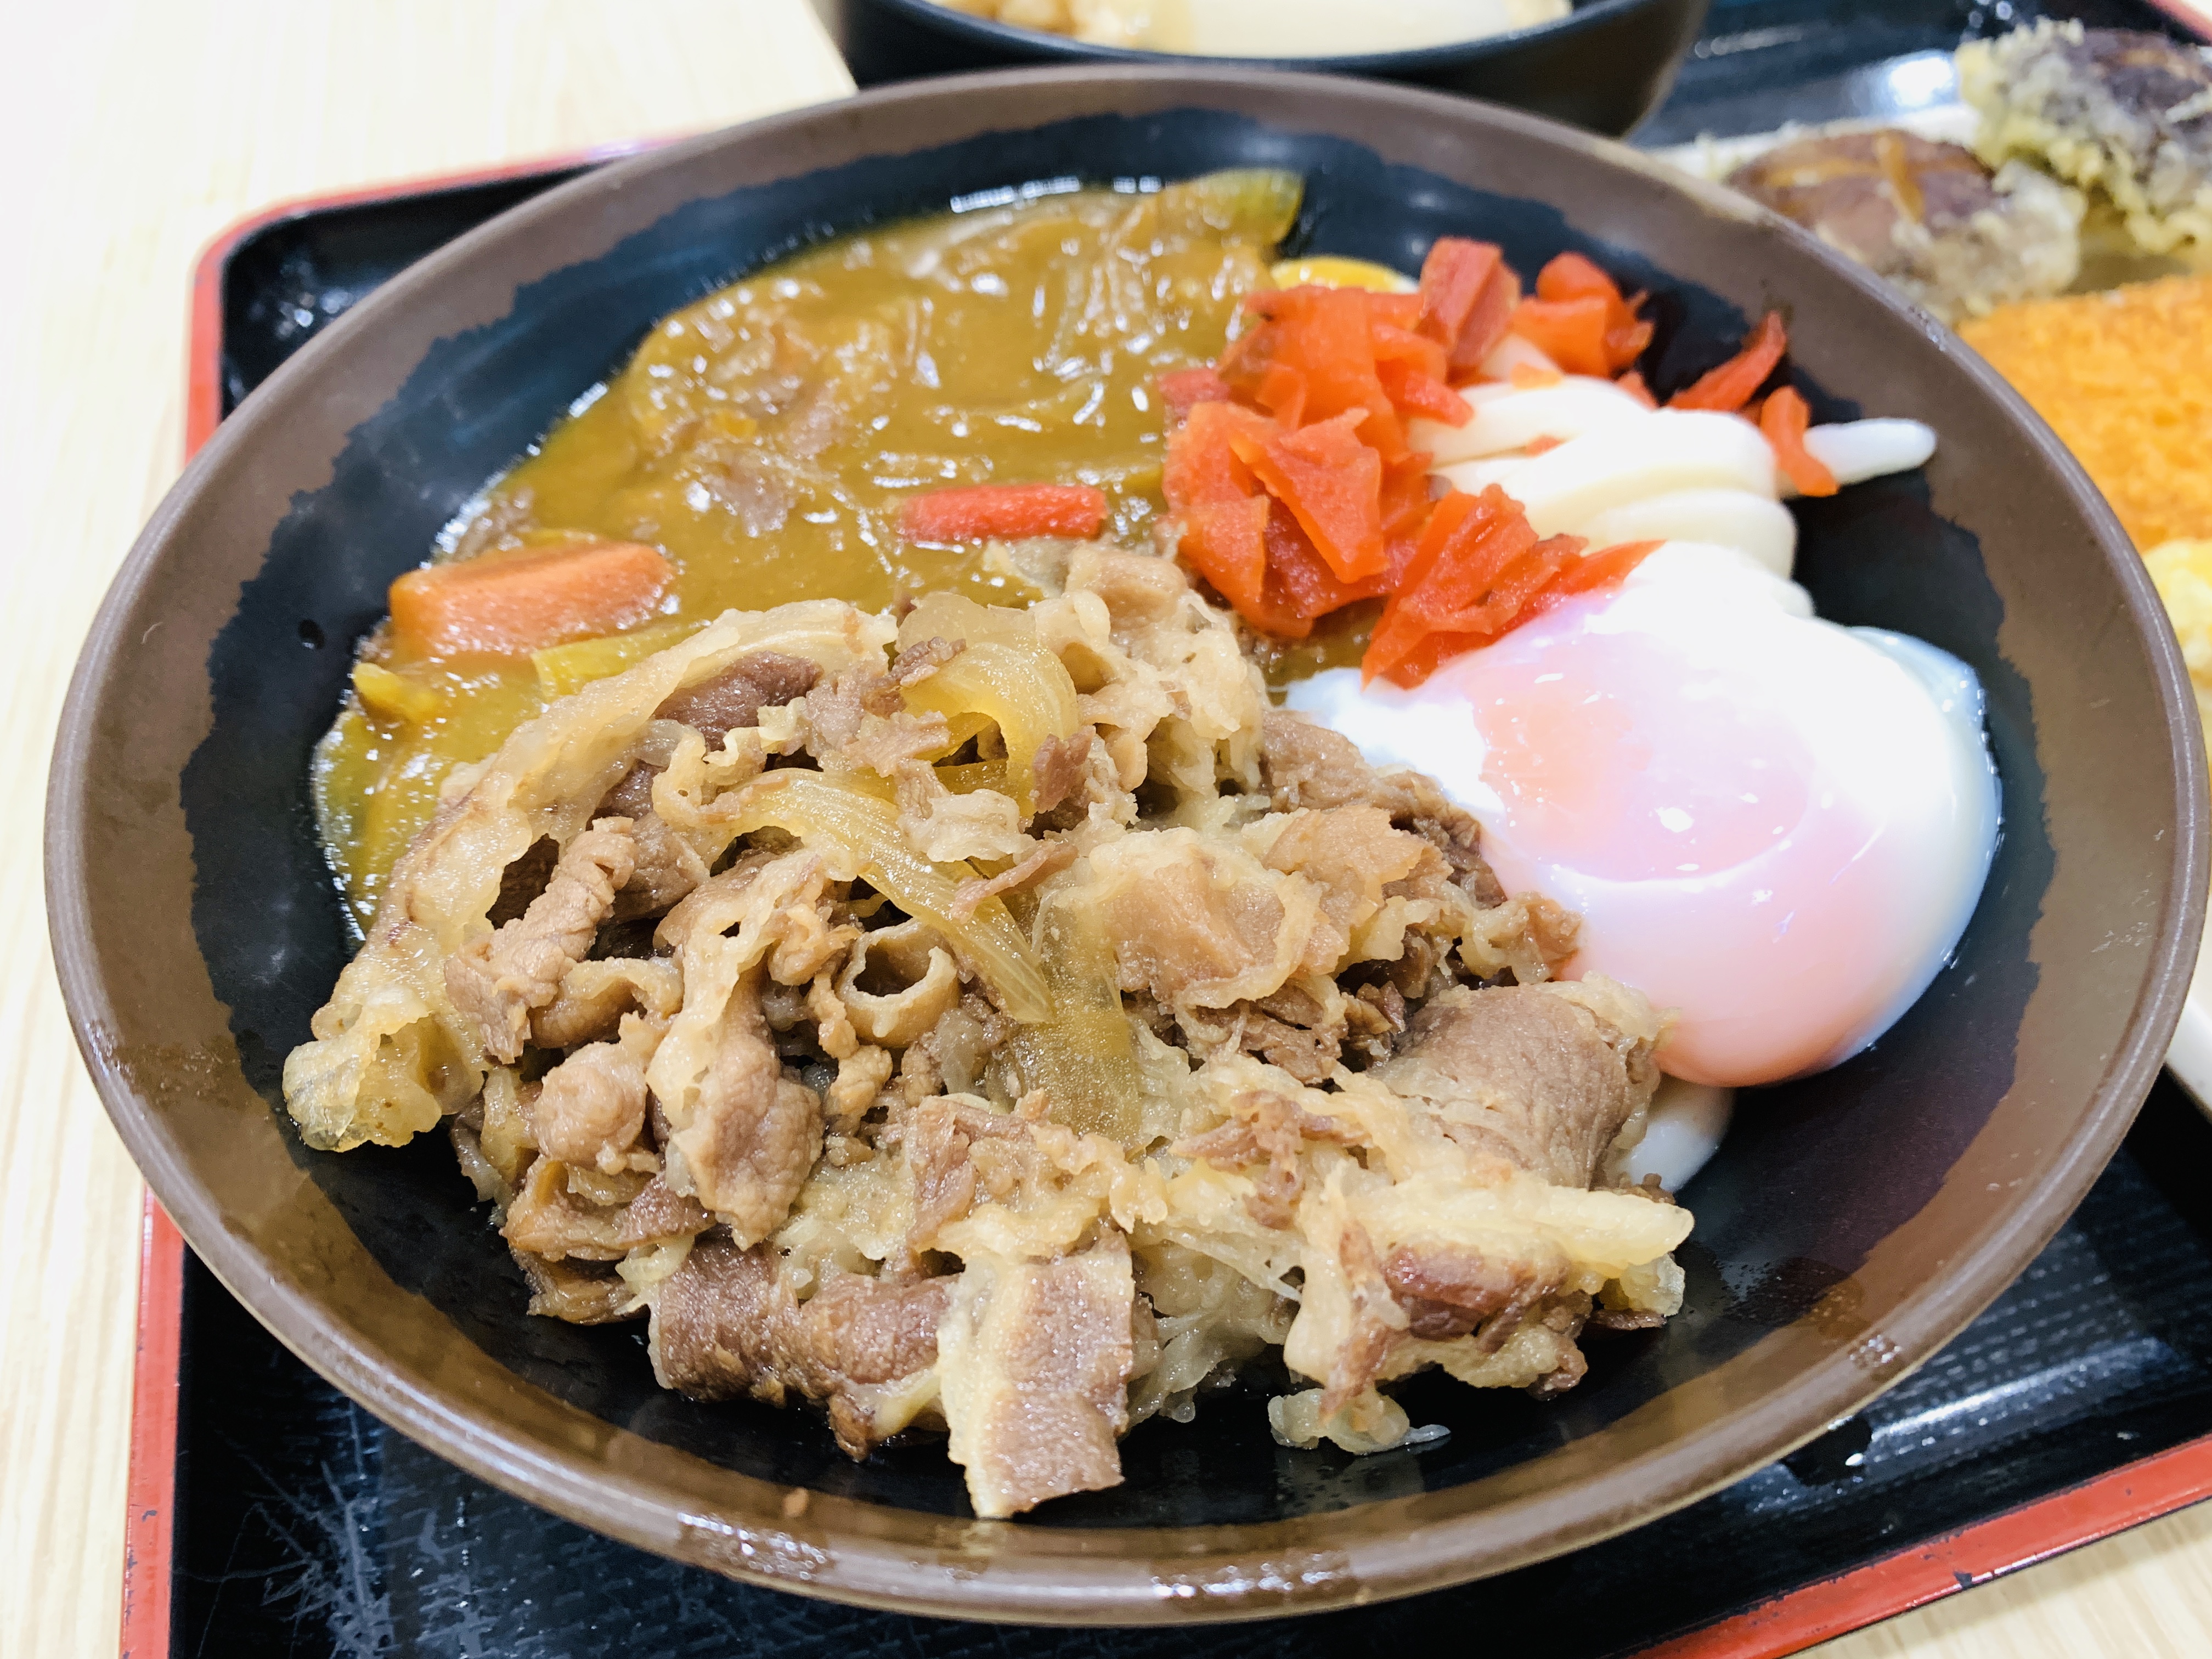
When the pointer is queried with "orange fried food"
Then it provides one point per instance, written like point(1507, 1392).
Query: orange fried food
point(2126, 378)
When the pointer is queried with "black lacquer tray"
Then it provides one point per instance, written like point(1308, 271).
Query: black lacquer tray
point(271, 1515)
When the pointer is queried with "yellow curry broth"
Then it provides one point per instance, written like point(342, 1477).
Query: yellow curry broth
point(764, 438)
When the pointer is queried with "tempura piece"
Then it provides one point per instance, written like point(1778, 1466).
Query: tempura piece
point(2124, 114)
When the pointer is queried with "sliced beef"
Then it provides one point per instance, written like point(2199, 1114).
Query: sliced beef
point(1307, 765)
point(550, 1220)
point(666, 868)
point(660, 1214)
point(1527, 1074)
point(496, 981)
point(754, 1133)
point(590, 1108)
point(1034, 1363)
point(1447, 1292)
point(725, 1323)
point(1265, 1128)
point(734, 697)
point(577, 1293)
point(1059, 768)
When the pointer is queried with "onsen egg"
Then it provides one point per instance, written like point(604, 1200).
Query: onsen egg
point(1775, 826)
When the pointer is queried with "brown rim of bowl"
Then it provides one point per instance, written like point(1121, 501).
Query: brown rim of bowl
point(874, 1555)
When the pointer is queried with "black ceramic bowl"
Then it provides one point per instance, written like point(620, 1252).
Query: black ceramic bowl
point(1853, 1222)
point(1605, 66)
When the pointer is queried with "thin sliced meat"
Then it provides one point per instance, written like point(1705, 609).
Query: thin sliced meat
point(1033, 1361)
point(726, 1324)
point(496, 980)
point(753, 1132)
point(1531, 1074)
point(734, 697)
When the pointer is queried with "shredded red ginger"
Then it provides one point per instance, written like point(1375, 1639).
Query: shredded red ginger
point(1296, 488)
point(1298, 493)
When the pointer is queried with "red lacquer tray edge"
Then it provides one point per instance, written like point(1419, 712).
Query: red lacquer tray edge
point(1790, 1623)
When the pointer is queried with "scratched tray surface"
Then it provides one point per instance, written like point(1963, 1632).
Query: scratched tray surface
point(306, 1527)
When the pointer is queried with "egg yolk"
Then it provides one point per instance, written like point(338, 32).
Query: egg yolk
point(1613, 761)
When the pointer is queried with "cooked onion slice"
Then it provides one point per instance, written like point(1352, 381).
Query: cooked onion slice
point(866, 831)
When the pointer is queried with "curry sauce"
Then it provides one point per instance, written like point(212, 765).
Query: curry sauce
point(764, 438)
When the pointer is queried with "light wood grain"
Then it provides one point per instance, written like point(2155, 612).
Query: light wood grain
point(135, 132)
point(138, 131)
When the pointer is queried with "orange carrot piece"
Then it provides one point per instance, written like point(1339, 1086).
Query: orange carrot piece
point(1784, 419)
point(1478, 572)
point(1396, 347)
point(1200, 466)
point(1607, 567)
point(1453, 277)
point(1333, 483)
point(1299, 582)
point(1570, 276)
point(1571, 332)
point(1399, 311)
point(1539, 446)
point(1180, 388)
point(974, 513)
point(508, 605)
point(1412, 392)
point(1325, 336)
point(1733, 385)
point(1281, 390)
point(1491, 321)
point(1526, 375)
point(1227, 541)
point(1467, 296)
point(1227, 520)
point(1467, 542)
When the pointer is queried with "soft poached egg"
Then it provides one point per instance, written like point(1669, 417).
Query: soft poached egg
point(1774, 826)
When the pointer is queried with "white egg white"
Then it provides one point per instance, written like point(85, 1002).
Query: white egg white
point(1809, 938)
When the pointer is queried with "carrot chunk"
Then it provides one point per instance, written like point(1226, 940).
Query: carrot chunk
point(1395, 347)
point(1227, 540)
point(1452, 279)
point(1398, 310)
point(1478, 572)
point(1201, 465)
point(1412, 392)
point(1333, 484)
point(974, 513)
point(1180, 388)
point(1607, 567)
point(1733, 385)
point(1299, 582)
point(1324, 336)
point(509, 606)
point(1571, 332)
point(1467, 296)
point(1784, 419)
point(1281, 390)
point(1570, 276)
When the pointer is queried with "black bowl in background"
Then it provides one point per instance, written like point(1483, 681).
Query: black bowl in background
point(1604, 67)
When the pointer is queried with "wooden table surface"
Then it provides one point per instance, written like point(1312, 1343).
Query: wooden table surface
point(135, 132)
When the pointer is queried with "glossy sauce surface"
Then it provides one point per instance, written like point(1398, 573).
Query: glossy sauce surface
point(763, 437)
